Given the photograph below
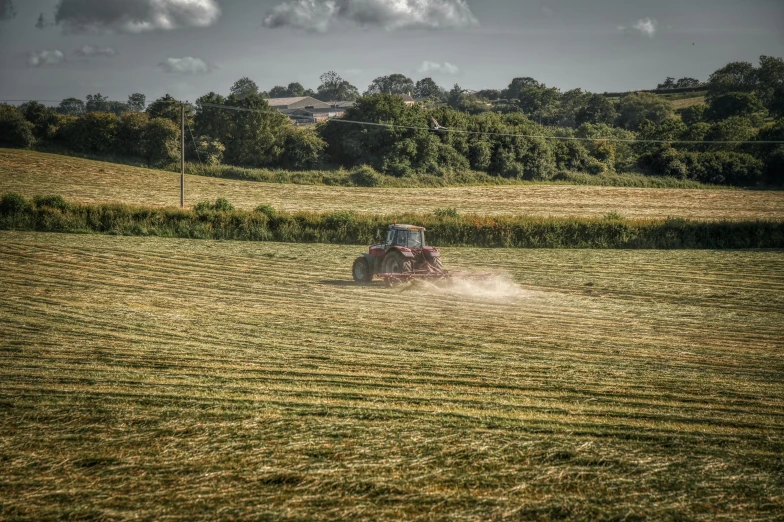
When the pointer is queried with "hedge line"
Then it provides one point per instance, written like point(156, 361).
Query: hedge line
point(52, 214)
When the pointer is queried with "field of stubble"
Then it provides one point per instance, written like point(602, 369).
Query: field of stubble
point(176, 380)
point(85, 181)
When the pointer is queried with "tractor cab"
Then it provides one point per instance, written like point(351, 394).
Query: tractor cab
point(403, 251)
point(402, 236)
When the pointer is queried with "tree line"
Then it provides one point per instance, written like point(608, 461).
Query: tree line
point(525, 131)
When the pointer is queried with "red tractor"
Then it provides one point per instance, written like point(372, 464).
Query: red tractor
point(402, 257)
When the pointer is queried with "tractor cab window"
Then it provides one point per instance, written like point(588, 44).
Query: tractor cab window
point(390, 237)
point(409, 238)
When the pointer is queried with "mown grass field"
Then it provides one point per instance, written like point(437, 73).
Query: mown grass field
point(174, 379)
point(33, 173)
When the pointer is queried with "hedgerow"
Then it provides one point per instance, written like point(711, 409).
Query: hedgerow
point(444, 229)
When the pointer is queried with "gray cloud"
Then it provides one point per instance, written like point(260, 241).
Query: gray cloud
point(435, 67)
point(7, 10)
point(95, 50)
point(39, 58)
point(644, 26)
point(135, 16)
point(186, 65)
point(321, 15)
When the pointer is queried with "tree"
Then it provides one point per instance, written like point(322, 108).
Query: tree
point(686, 82)
point(278, 92)
point(395, 151)
point(426, 88)
point(212, 122)
point(489, 94)
point(137, 102)
point(14, 129)
point(253, 137)
point(776, 104)
point(455, 97)
point(42, 117)
point(571, 103)
point(634, 108)
point(161, 142)
point(130, 134)
point(244, 87)
point(733, 77)
point(598, 109)
point(512, 92)
point(539, 101)
point(733, 104)
point(669, 83)
point(302, 149)
point(335, 88)
point(117, 108)
point(71, 106)
point(169, 108)
point(296, 89)
point(694, 114)
point(292, 91)
point(734, 128)
point(392, 84)
point(94, 132)
point(770, 79)
point(97, 103)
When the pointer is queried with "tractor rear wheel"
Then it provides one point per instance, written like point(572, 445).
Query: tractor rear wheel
point(437, 264)
point(361, 270)
point(397, 263)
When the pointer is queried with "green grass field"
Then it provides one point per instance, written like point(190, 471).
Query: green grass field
point(33, 173)
point(179, 380)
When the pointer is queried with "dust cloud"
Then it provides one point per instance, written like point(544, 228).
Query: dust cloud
point(496, 288)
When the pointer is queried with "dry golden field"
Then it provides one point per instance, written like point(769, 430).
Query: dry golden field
point(179, 380)
point(32, 173)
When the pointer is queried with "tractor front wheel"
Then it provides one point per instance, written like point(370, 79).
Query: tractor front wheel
point(361, 271)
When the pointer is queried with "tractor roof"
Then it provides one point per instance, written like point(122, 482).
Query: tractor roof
point(405, 227)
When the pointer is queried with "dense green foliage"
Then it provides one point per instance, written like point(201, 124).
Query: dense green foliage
point(528, 131)
point(445, 227)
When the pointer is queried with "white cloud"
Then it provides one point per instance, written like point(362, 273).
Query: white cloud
point(321, 15)
point(644, 26)
point(94, 50)
point(135, 16)
point(435, 67)
point(39, 58)
point(186, 65)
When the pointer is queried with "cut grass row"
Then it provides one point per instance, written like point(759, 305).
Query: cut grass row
point(53, 214)
point(32, 173)
point(171, 379)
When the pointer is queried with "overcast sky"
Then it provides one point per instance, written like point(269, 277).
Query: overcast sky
point(190, 47)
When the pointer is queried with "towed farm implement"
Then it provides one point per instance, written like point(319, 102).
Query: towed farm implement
point(404, 257)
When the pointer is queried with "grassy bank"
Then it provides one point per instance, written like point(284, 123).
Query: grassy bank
point(53, 214)
point(358, 177)
point(86, 181)
point(351, 178)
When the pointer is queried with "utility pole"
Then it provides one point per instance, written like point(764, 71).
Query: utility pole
point(182, 156)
